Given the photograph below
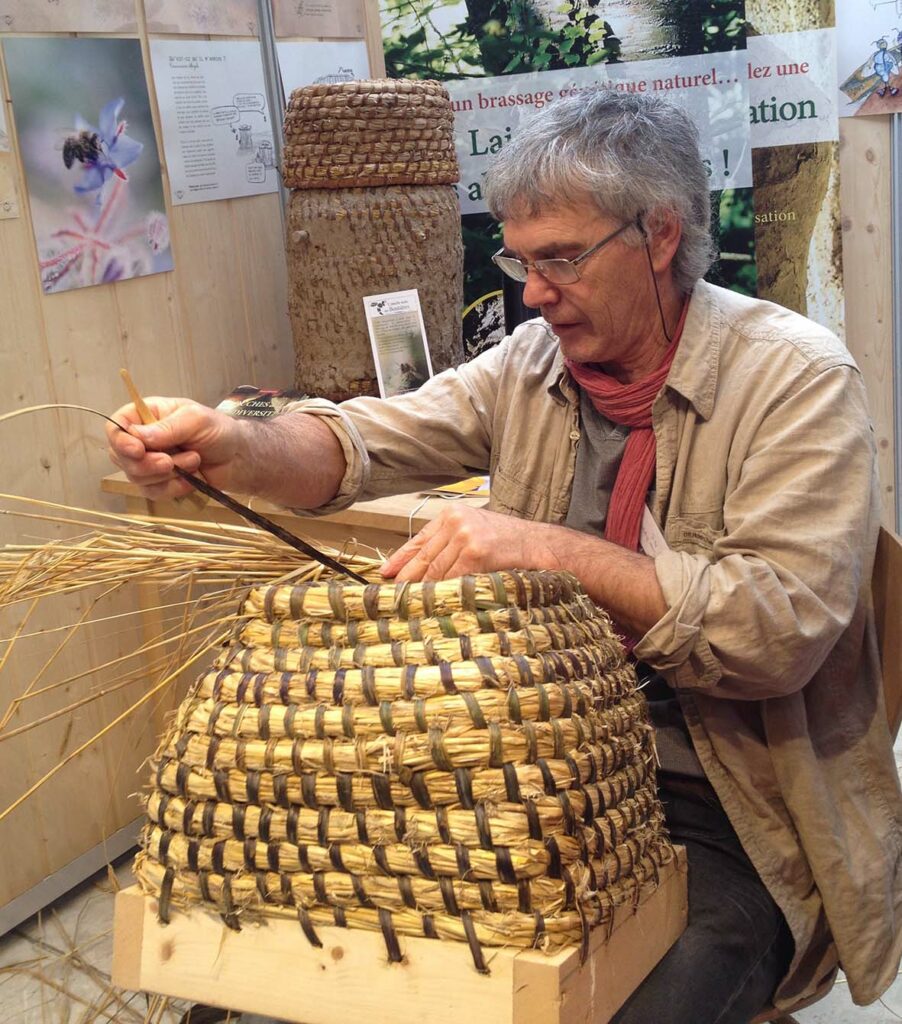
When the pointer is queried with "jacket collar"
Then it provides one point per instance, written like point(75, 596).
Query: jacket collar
point(695, 365)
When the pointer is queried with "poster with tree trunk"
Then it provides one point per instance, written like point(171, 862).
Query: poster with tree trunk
point(759, 84)
point(795, 156)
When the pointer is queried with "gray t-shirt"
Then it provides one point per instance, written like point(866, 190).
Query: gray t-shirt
point(598, 458)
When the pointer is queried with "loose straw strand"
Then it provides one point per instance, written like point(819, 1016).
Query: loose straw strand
point(119, 718)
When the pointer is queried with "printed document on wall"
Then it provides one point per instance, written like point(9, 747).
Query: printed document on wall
point(217, 129)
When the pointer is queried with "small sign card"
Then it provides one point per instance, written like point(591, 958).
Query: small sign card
point(398, 336)
point(651, 539)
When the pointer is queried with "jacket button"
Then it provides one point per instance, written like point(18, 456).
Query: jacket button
point(574, 435)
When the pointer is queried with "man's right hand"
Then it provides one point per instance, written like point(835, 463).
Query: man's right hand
point(188, 435)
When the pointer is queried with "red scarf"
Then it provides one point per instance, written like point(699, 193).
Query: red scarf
point(629, 405)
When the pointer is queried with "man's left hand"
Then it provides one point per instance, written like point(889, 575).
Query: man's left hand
point(464, 540)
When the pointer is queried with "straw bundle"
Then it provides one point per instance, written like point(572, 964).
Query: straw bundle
point(195, 569)
point(466, 759)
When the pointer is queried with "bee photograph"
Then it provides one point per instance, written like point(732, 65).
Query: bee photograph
point(82, 119)
point(84, 146)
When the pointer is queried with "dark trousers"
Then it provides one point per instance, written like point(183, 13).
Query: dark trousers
point(737, 946)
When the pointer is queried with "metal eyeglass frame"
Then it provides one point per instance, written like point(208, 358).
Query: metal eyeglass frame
point(553, 269)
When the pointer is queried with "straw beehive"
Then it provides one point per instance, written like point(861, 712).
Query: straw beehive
point(462, 760)
point(373, 209)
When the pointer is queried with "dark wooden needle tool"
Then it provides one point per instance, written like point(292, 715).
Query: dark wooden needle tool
point(230, 503)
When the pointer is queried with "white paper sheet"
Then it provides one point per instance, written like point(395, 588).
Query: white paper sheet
point(869, 56)
point(307, 63)
point(398, 336)
point(792, 88)
point(217, 131)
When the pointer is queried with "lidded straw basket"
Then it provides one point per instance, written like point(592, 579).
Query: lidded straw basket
point(373, 209)
point(462, 760)
point(364, 134)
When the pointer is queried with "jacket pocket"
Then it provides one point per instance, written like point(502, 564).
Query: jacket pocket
point(511, 494)
point(696, 533)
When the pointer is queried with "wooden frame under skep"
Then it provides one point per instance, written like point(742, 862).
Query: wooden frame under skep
point(272, 969)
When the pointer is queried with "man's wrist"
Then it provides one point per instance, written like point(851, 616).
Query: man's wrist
point(623, 582)
point(248, 470)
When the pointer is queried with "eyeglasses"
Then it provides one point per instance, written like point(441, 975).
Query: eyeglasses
point(556, 271)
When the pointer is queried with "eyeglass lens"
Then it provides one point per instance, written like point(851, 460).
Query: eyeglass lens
point(556, 271)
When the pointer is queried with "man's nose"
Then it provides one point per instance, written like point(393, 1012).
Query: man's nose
point(538, 290)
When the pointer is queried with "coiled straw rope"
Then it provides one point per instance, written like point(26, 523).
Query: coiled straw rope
point(468, 759)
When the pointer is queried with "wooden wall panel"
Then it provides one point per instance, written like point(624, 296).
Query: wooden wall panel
point(374, 39)
point(269, 361)
point(219, 319)
point(153, 347)
point(865, 197)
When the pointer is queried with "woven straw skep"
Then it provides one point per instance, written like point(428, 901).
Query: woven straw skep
point(465, 760)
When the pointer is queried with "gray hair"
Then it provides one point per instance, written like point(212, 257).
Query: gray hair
point(627, 153)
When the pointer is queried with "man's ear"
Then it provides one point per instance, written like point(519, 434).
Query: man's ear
point(663, 232)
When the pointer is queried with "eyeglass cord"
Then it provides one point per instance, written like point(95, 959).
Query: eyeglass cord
point(654, 281)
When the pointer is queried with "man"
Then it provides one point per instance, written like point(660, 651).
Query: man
point(732, 437)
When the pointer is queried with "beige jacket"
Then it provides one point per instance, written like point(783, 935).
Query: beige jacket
point(766, 494)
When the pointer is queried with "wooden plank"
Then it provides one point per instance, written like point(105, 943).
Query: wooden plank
point(865, 184)
point(374, 49)
point(379, 523)
point(615, 967)
point(264, 276)
point(60, 882)
point(150, 338)
point(210, 299)
point(34, 464)
point(128, 927)
point(196, 957)
point(9, 196)
point(84, 342)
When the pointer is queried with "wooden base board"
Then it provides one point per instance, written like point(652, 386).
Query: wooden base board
point(271, 969)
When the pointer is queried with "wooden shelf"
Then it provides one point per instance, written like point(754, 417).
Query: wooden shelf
point(272, 969)
point(384, 523)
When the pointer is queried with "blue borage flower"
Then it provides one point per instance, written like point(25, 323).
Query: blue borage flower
point(117, 150)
